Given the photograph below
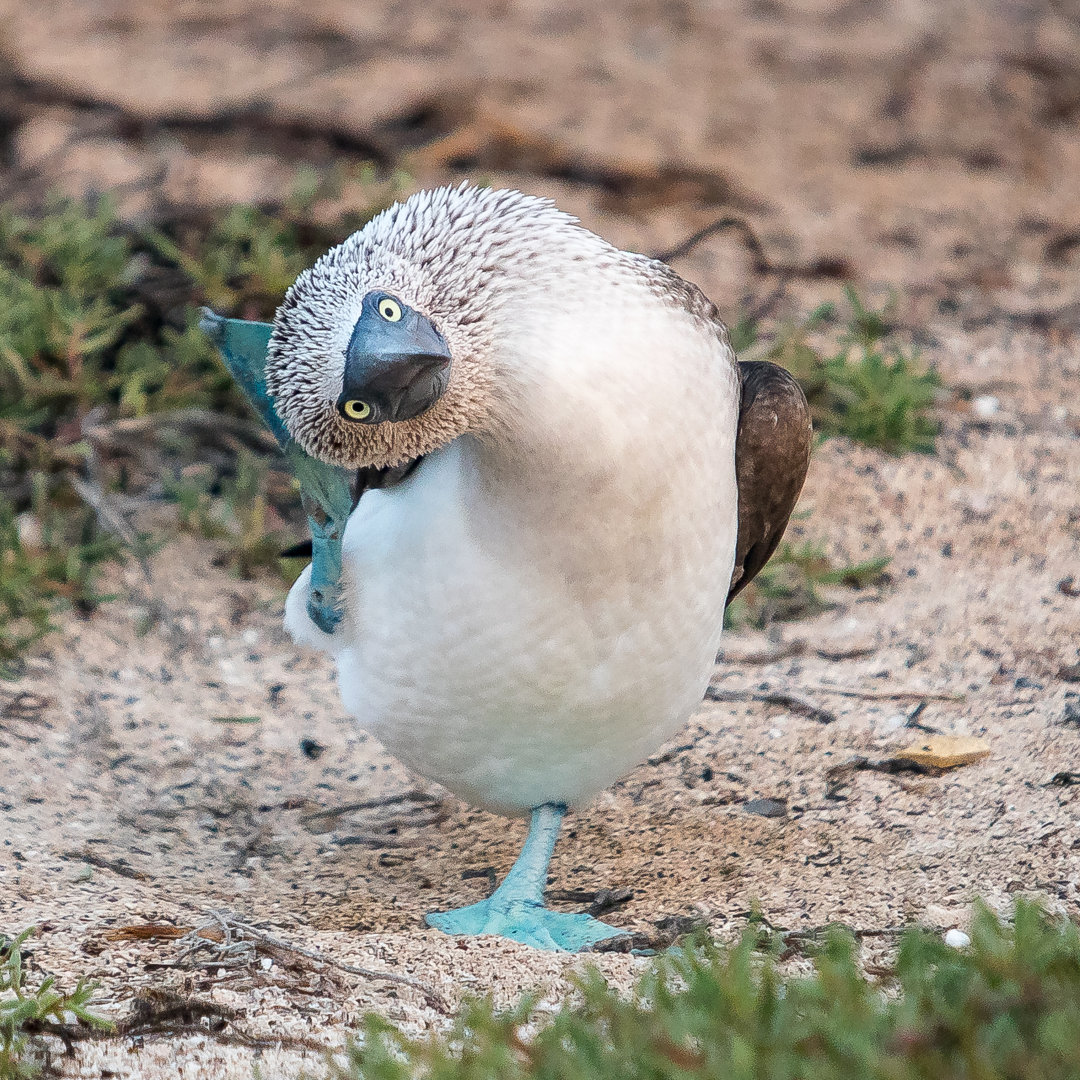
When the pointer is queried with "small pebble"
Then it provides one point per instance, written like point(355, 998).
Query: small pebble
point(29, 531)
point(985, 406)
point(957, 939)
point(772, 808)
point(312, 749)
point(977, 506)
point(266, 963)
point(894, 722)
point(1072, 709)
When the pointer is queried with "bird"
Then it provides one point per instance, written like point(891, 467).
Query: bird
point(562, 477)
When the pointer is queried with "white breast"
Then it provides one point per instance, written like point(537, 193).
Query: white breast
point(527, 623)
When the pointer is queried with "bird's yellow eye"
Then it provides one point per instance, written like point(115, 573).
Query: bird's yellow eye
point(389, 309)
point(356, 410)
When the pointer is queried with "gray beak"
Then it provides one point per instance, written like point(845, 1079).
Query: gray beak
point(393, 370)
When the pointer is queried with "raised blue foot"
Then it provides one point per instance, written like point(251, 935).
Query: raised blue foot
point(324, 489)
point(516, 909)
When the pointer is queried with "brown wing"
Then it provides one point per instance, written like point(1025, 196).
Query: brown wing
point(772, 452)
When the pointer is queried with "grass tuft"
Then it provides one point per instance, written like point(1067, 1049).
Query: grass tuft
point(50, 557)
point(98, 335)
point(236, 512)
point(789, 585)
point(26, 1014)
point(1003, 1009)
point(871, 388)
point(248, 259)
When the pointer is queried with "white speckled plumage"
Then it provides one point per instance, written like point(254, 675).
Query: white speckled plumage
point(538, 605)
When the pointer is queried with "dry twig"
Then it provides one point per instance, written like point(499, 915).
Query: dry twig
point(415, 795)
point(795, 647)
point(118, 866)
point(889, 695)
point(784, 698)
point(228, 942)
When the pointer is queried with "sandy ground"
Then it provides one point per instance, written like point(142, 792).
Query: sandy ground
point(930, 147)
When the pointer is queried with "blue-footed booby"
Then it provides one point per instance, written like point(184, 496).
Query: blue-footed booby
point(562, 476)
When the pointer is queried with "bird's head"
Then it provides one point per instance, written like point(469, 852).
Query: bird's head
point(384, 350)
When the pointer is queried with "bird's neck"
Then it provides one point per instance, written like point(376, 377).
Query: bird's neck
point(611, 452)
point(608, 396)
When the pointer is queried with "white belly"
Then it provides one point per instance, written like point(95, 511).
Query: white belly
point(473, 655)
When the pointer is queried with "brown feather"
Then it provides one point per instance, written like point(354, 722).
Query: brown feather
point(772, 453)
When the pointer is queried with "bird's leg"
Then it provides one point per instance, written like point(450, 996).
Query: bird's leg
point(324, 489)
point(516, 909)
point(327, 499)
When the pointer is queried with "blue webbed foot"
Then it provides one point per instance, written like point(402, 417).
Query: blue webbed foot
point(525, 921)
point(516, 909)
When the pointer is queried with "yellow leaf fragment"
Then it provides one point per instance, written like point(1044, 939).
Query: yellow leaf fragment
point(946, 751)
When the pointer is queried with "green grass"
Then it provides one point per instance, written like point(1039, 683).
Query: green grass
point(788, 586)
point(98, 329)
point(866, 386)
point(235, 511)
point(49, 556)
point(26, 1013)
point(74, 335)
point(1004, 1009)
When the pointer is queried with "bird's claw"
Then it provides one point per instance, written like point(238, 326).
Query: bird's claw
point(525, 921)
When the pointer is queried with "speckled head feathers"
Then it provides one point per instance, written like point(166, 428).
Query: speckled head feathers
point(453, 254)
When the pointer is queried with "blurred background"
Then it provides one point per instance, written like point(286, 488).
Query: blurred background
point(933, 147)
